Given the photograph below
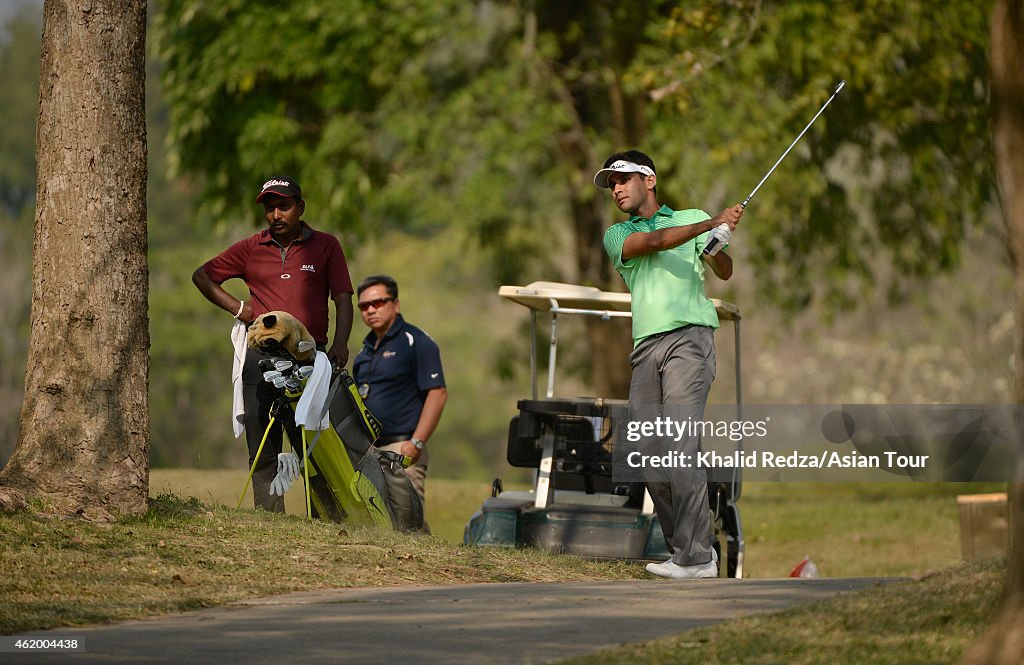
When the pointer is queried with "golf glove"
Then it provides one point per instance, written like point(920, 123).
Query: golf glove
point(718, 238)
point(287, 473)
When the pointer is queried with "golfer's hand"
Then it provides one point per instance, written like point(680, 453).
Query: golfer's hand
point(729, 216)
point(721, 233)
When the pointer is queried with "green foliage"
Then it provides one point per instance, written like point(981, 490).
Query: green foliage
point(19, 60)
point(390, 114)
point(427, 114)
point(894, 171)
point(245, 106)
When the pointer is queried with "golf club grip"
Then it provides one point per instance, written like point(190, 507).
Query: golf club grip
point(713, 242)
point(710, 246)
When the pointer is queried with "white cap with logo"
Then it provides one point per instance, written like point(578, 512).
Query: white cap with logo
point(621, 166)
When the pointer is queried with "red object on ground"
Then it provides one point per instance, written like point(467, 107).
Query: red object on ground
point(805, 568)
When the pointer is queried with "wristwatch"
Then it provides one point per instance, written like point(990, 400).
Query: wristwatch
point(417, 443)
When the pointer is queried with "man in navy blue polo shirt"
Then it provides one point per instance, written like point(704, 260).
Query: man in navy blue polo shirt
point(399, 375)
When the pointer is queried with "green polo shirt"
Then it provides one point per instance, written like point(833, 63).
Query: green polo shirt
point(667, 288)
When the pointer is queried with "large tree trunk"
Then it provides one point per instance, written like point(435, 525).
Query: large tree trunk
point(84, 442)
point(1003, 642)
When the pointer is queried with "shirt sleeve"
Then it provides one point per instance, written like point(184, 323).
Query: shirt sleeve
point(230, 263)
point(614, 239)
point(429, 374)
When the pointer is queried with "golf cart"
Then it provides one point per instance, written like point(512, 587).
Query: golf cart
point(574, 505)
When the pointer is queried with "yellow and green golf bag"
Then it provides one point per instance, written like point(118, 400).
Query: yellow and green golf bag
point(347, 479)
point(350, 479)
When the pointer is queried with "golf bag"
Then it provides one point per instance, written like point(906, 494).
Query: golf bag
point(358, 429)
point(350, 480)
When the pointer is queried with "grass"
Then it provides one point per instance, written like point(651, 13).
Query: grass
point(926, 622)
point(849, 530)
point(448, 507)
point(184, 555)
point(853, 530)
point(188, 553)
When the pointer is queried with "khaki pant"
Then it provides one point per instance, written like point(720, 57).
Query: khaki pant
point(417, 472)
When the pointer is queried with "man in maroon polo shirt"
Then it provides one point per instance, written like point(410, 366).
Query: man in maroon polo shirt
point(287, 267)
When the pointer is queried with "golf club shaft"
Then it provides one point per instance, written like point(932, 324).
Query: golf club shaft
point(714, 241)
point(774, 166)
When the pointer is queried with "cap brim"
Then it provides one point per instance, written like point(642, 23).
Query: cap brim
point(601, 178)
point(274, 191)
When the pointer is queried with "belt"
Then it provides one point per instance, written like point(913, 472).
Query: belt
point(393, 438)
point(674, 330)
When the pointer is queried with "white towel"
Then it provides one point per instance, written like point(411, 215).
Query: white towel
point(314, 396)
point(237, 403)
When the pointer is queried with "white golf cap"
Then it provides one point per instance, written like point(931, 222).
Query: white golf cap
point(621, 166)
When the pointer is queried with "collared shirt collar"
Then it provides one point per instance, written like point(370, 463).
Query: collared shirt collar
point(370, 341)
point(663, 211)
point(267, 239)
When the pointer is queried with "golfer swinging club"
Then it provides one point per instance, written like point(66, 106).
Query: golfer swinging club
point(659, 253)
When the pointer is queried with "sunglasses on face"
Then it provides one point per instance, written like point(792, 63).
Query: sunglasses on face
point(376, 303)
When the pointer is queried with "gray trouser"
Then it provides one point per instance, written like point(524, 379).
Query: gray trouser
point(672, 375)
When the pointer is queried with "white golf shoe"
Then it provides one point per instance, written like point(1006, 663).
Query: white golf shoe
point(674, 571)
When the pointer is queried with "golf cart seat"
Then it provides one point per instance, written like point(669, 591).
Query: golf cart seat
point(581, 456)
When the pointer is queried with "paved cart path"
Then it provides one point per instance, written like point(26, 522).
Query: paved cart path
point(474, 623)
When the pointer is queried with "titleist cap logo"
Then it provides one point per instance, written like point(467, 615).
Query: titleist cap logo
point(622, 166)
point(281, 185)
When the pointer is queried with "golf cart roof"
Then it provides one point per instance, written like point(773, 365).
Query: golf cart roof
point(538, 296)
